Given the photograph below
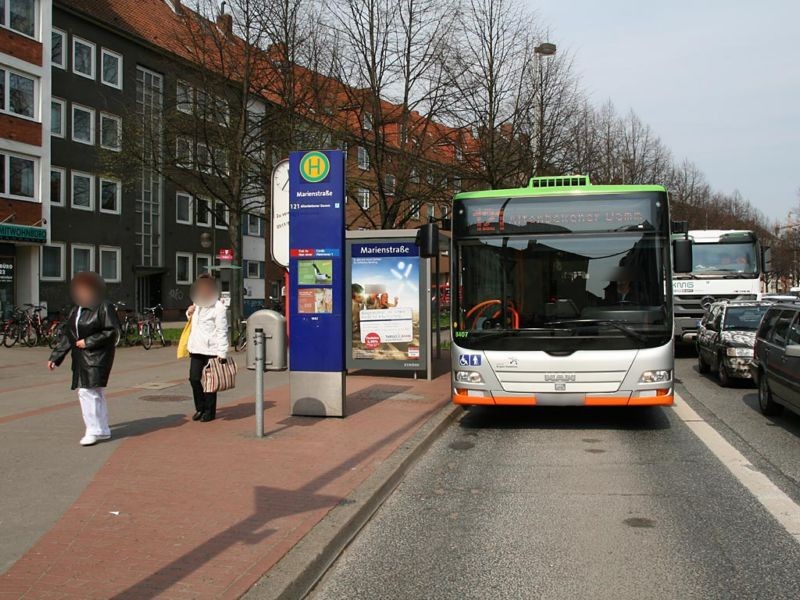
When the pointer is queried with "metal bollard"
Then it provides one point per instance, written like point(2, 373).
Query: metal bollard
point(258, 345)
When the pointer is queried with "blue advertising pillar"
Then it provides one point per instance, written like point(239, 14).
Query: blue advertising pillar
point(316, 283)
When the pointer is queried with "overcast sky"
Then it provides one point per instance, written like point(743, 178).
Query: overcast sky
point(718, 80)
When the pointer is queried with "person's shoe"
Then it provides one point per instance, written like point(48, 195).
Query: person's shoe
point(197, 416)
point(88, 440)
point(206, 418)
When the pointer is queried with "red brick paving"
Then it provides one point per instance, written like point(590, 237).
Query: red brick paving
point(206, 508)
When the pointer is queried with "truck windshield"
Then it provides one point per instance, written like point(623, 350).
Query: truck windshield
point(562, 291)
point(724, 257)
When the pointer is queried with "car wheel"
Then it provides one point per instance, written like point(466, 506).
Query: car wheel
point(702, 365)
point(765, 402)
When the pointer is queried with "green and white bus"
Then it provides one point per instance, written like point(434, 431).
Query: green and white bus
point(562, 295)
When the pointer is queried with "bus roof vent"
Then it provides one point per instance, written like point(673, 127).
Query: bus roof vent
point(563, 181)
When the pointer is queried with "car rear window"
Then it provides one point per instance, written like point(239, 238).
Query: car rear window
point(744, 318)
point(780, 332)
point(768, 323)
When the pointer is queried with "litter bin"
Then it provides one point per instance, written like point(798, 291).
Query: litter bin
point(273, 324)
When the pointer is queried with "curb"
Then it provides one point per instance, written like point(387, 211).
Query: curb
point(295, 575)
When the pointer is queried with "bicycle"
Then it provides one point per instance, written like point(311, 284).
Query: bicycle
point(150, 327)
point(32, 327)
point(12, 327)
point(129, 325)
point(240, 337)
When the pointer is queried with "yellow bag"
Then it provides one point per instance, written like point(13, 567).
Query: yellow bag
point(183, 344)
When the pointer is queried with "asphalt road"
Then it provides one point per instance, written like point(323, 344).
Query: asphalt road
point(585, 503)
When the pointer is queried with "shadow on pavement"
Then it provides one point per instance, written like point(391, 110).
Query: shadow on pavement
point(644, 418)
point(270, 504)
point(245, 410)
point(788, 420)
point(142, 426)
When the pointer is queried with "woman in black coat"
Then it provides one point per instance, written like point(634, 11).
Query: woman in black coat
point(90, 335)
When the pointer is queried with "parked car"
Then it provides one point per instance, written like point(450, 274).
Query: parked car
point(780, 298)
point(726, 337)
point(776, 363)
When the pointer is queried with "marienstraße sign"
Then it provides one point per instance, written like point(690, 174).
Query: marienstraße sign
point(23, 233)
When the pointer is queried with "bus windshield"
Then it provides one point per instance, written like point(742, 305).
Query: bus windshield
point(724, 257)
point(572, 287)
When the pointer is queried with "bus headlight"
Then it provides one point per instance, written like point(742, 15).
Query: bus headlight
point(739, 352)
point(655, 376)
point(468, 377)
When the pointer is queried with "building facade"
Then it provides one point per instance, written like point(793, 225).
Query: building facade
point(147, 237)
point(24, 148)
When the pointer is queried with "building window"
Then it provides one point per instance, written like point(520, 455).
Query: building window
point(204, 162)
point(456, 183)
point(82, 124)
point(366, 122)
point(183, 208)
point(52, 265)
point(389, 184)
point(183, 153)
point(82, 191)
point(19, 15)
point(431, 211)
point(110, 196)
point(202, 264)
point(203, 216)
point(363, 158)
point(413, 176)
point(111, 68)
point(415, 210)
point(110, 132)
point(57, 54)
point(183, 268)
point(221, 215)
point(17, 176)
point(363, 198)
point(83, 57)
point(254, 225)
point(58, 186)
point(110, 264)
point(58, 117)
point(82, 258)
point(459, 153)
point(17, 93)
point(184, 97)
point(253, 269)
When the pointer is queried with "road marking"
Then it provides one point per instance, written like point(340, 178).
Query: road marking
point(777, 503)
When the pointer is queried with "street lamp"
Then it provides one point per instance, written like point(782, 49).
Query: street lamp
point(543, 49)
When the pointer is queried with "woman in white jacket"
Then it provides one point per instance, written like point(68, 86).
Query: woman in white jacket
point(208, 339)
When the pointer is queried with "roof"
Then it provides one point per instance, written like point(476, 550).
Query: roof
point(583, 190)
point(323, 99)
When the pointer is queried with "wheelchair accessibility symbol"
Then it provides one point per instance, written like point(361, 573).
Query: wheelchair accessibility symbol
point(469, 360)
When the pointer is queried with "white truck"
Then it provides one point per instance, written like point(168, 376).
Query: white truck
point(726, 265)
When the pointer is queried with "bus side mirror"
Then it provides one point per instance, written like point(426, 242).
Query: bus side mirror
point(680, 227)
point(766, 259)
point(428, 240)
point(682, 256)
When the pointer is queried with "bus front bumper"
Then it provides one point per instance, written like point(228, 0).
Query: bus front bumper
point(657, 397)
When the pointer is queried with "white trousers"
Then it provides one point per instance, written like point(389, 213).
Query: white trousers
point(95, 410)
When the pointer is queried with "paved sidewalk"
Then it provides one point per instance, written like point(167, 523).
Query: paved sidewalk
point(174, 508)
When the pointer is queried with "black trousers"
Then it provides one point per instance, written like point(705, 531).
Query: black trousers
point(204, 403)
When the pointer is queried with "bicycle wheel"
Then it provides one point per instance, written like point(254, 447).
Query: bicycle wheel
point(12, 335)
point(130, 333)
point(160, 334)
point(29, 335)
point(147, 336)
point(241, 340)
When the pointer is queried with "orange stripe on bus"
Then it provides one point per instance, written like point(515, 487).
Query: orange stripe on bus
point(606, 400)
point(515, 400)
point(472, 400)
point(652, 400)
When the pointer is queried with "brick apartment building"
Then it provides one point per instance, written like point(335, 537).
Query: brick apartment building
point(24, 148)
point(114, 60)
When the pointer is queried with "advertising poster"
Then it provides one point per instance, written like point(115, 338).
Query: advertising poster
point(385, 301)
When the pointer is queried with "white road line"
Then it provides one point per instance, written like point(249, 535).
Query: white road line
point(777, 503)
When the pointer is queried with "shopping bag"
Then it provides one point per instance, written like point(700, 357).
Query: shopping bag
point(219, 376)
point(183, 344)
